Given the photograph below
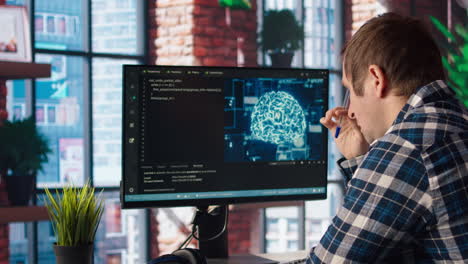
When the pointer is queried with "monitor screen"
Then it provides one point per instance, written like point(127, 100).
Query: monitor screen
point(196, 136)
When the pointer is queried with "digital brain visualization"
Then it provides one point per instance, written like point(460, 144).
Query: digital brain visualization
point(277, 118)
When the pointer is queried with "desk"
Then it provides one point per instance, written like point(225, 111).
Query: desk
point(272, 258)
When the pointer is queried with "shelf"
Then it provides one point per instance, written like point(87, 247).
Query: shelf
point(23, 214)
point(10, 70)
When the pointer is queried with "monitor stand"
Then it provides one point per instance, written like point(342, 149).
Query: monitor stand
point(212, 231)
point(213, 234)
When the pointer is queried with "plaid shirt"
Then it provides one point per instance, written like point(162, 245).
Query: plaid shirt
point(407, 198)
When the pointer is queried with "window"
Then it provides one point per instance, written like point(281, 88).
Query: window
point(283, 230)
point(272, 245)
point(84, 68)
point(293, 225)
point(292, 245)
point(78, 108)
point(60, 117)
point(320, 34)
point(121, 234)
point(272, 225)
point(323, 37)
point(319, 214)
point(107, 120)
point(18, 243)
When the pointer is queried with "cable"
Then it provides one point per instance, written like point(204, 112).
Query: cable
point(186, 242)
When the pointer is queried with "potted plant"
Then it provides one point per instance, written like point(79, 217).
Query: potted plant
point(75, 214)
point(456, 61)
point(23, 151)
point(280, 36)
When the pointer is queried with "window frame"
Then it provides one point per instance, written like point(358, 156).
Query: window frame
point(31, 233)
point(340, 36)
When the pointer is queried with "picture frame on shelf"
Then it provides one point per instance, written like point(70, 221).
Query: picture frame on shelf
point(15, 41)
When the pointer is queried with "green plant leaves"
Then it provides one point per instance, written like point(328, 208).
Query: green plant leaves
point(236, 4)
point(75, 214)
point(456, 61)
point(22, 148)
point(281, 32)
point(462, 32)
point(442, 28)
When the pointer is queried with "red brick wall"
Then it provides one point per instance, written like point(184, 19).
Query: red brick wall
point(196, 32)
point(356, 13)
point(171, 27)
point(421, 10)
point(244, 231)
point(154, 227)
point(348, 19)
point(359, 11)
point(223, 37)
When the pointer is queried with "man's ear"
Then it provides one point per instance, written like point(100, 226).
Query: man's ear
point(378, 80)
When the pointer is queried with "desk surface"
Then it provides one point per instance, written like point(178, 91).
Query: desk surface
point(272, 258)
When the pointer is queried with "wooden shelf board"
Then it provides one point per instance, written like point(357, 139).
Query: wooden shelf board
point(10, 70)
point(23, 214)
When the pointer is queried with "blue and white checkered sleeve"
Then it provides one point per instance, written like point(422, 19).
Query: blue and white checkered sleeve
point(386, 201)
point(348, 167)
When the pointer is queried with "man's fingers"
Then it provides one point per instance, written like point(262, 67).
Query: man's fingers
point(328, 123)
point(340, 112)
point(327, 120)
point(332, 116)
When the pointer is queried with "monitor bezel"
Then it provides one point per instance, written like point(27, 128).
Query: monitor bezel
point(216, 201)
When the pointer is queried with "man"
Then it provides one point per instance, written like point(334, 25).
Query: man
point(404, 139)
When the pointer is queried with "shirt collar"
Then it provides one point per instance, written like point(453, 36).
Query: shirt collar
point(431, 92)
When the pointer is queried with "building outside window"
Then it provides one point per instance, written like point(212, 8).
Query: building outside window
point(284, 233)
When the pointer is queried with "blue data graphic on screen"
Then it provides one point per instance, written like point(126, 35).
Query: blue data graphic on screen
point(271, 119)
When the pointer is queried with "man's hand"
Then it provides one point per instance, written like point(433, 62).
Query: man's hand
point(350, 141)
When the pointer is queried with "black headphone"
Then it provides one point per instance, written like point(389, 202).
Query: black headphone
point(181, 256)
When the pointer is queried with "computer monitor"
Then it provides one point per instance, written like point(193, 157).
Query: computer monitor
point(198, 136)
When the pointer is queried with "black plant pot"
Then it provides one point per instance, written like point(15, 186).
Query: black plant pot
point(20, 189)
point(74, 254)
point(281, 60)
